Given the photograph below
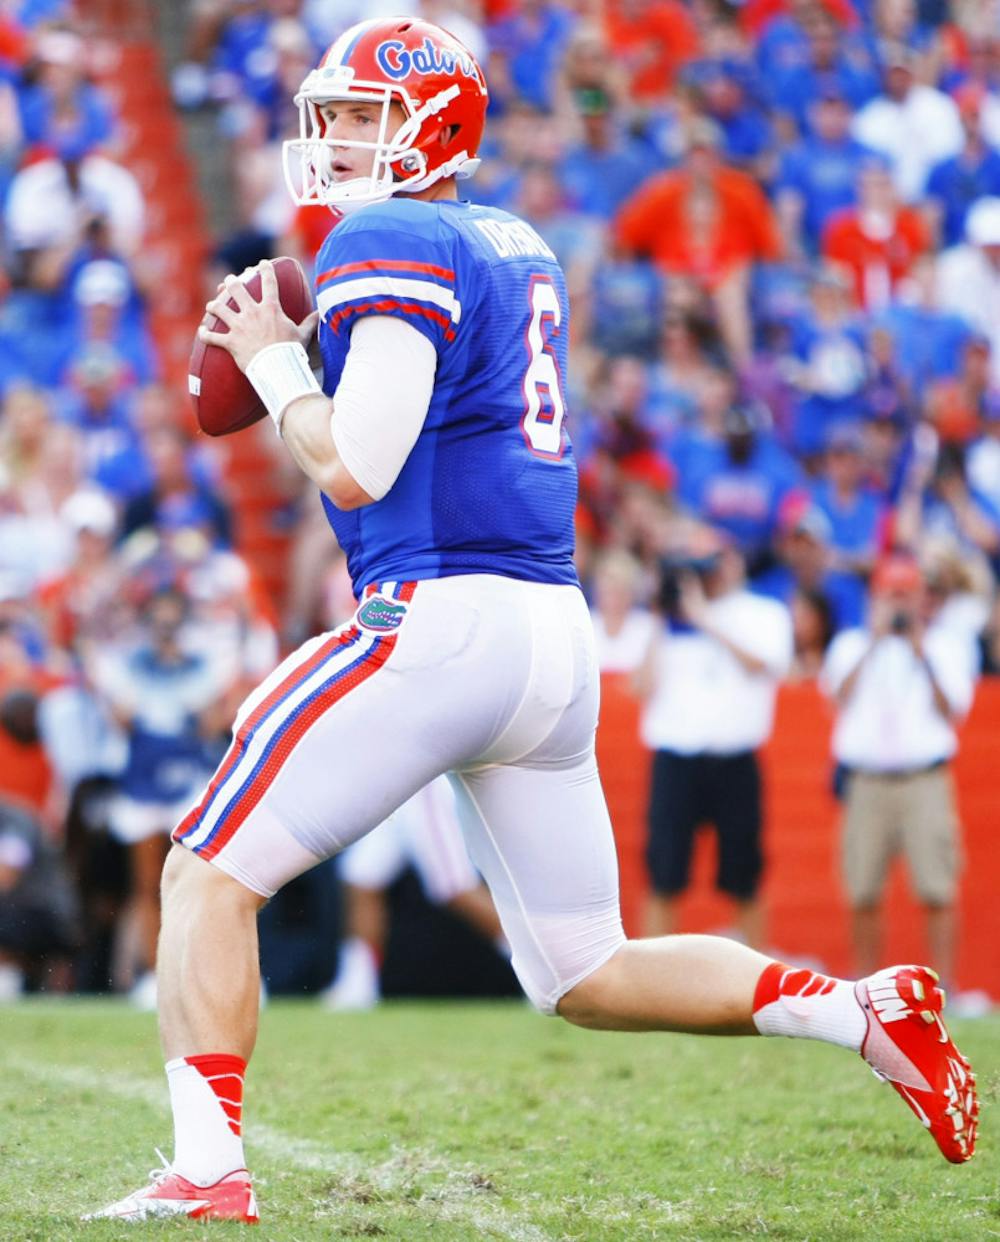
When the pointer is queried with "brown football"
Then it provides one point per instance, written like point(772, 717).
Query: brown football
point(224, 399)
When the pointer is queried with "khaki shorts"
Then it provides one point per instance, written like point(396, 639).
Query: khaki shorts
point(911, 815)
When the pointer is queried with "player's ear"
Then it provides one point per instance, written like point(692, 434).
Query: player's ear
point(446, 134)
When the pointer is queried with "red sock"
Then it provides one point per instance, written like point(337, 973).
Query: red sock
point(802, 1003)
point(777, 979)
point(224, 1073)
point(206, 1096)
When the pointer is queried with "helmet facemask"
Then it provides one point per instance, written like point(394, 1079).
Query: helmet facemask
point(400, 165)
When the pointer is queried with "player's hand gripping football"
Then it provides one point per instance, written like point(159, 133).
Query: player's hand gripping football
point(253, 325)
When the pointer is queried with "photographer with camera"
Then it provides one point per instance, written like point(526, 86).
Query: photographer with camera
point(709, 679)
point(900, 687)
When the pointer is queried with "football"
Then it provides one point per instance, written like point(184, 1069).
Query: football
point(224, 399)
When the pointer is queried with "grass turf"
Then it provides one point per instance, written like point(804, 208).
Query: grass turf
point(460, 1122)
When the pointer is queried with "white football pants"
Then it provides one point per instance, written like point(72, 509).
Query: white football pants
point(490, 679)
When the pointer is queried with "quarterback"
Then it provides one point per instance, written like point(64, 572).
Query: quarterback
point(439, 443)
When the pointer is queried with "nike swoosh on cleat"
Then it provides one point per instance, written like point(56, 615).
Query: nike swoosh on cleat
point(913, 1104)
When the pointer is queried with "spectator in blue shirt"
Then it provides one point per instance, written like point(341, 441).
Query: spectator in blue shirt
point(738, 485)
point(575, 239)
point(100, 292)
point(802, 559)
point(928, 344)
point(175, 496)
point(605, 165)
point(955, 184)
point(625, 301)
point(855, 515)
point(724, 91)
point(59, 110)
point(818, 176)
point(532, 41)
point(241, 56)
point(829, 344)
point(783, 45)
point(828, 61)
point(96, 405)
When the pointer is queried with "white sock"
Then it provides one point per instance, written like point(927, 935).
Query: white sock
point(803, 1004)
point(206, 1095)
point(11, 982)
point(357, 984)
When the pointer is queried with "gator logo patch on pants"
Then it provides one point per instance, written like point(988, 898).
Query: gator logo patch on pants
point(380, 615)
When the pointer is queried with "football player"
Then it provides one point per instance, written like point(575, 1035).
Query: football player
point(439, 442)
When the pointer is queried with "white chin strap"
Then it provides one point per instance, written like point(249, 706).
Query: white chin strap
point(307, 161)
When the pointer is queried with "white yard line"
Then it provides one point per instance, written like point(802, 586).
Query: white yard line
point(453, 1204)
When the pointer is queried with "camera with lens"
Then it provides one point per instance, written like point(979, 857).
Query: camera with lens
point(900, 622)
point(672, 572)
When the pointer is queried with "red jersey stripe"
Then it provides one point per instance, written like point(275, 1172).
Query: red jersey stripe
point(386, 304)
point(385, 265)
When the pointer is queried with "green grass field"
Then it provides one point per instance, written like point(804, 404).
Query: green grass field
point(458, 1122)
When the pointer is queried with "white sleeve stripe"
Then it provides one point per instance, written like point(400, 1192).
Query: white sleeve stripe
point(390, 286)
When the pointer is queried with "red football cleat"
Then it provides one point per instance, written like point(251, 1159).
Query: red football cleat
point(908, 1045)
point(169, 1194)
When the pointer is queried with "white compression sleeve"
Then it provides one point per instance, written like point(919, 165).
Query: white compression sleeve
point(382, 400)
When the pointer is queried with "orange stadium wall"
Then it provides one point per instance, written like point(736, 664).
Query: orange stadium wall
point(806, 913)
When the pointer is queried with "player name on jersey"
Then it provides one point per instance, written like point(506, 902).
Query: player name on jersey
point(512, 239)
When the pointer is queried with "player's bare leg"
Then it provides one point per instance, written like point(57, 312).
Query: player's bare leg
point(701, 984)
point(712, 986)
point(208, 960)
point(209, 986)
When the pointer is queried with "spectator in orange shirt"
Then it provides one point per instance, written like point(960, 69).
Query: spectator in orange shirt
point(652, 38)
point(708, 222)
point(877, 241)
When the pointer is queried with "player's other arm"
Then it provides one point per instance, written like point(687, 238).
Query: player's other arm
point(305, 430)
point(352, 446)
point(361, 444)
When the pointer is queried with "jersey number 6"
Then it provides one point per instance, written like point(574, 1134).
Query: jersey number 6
point(544, 406)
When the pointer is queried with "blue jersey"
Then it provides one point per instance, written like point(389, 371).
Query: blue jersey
point(490, 485)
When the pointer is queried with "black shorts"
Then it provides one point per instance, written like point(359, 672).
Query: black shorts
point(690, 790)
point(30, 929)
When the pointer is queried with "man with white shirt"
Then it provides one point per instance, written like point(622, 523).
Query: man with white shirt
point(968, 276)
point(914, 126)
point(710, 678)
point(900, 687)
point(622, 629)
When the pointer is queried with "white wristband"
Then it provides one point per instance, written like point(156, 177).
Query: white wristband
point(281, 374)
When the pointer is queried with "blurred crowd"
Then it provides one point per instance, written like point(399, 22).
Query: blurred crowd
point(780, 223)
point(780, 220)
